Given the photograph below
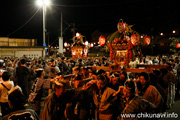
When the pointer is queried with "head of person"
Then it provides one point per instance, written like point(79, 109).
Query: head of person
point(52, 62)
point(101, 71)
point(76, 80)
point(115, 78)
point(23, 61)
point(39, 72)
point(176, 60)
point(1, 65)
point(104, 59)
point(59, 87)
point(143, 78)
point(62, 59)
point(39, 61)
point(153, 79)
point(80, 60)
point(157, 73)
point(16, 98)
point(9, 64)
point(169, 66)
point(123, 77)
point(6, 76)
point(102, 81)
point(129, 88)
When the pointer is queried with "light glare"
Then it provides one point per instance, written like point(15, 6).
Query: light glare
point(39, 2)
point(46, 2)
point(43, 2)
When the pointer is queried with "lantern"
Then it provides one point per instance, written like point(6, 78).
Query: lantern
point(65, 44)
point(86, 43)
point(147, 40)
point(177, 45)
point(102, 40)
point(92, 45)
point(135, 39)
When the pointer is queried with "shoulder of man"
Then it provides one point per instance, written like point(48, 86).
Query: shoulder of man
point(24, 114)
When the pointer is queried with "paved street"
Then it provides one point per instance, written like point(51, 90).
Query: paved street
point(171, 113)
point(175, 109)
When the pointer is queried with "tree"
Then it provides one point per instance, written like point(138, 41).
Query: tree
point(173, 48)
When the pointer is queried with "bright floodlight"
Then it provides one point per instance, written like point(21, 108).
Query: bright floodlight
point(43, 2)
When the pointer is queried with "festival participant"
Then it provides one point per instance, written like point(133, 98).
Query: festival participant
point(79, 64)
point(123, 77)
point(103, 98)
point(56, 102)
point(104, 62)
point(170, 81)
point(115, 81)
point(79, 108)
point(149, 92)
point(162, 91)
point(16, 100)
point(134, 103)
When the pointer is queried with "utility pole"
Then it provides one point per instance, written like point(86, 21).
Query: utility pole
point(61, 37)
point(74, 30)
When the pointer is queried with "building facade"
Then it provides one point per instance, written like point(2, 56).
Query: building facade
point(17, 47)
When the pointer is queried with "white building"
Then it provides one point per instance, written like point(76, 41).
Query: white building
point(17, 47)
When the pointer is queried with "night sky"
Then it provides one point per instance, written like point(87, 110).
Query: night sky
point(22, 19)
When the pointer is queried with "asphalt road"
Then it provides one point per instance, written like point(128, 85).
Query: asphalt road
point(171, 114)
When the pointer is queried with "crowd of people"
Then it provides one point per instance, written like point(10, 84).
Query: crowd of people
point(74, 90)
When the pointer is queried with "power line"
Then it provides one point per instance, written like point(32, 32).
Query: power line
point(100, 5)
point(24, 24)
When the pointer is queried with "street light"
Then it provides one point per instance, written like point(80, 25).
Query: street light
point(44, 4)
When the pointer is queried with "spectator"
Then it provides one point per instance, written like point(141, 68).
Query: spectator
point(5, 86)
point(22, 74)
point(53, 69)
point(10, 69)
point(16, 101)
point(38, 88)
point(64, 67)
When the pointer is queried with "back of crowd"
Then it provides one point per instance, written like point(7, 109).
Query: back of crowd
point(86, 93)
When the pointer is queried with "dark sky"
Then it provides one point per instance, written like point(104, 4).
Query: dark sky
point(148, 17)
